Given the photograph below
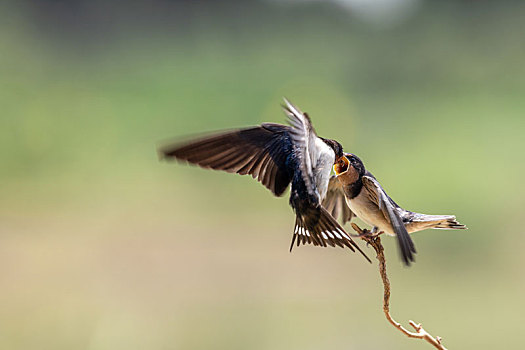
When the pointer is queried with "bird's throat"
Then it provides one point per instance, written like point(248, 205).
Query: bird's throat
point(349, 176)
point(351, 182)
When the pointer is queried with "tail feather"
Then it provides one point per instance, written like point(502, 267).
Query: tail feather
point(323, 231)
point(450, 224)
point(446, 222)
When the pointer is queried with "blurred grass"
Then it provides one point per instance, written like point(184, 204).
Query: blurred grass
point(103, 247)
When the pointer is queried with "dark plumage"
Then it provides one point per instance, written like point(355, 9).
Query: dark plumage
point(278, 155)
point(265, 152)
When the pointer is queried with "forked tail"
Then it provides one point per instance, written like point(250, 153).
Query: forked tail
point(446, 222)
point(449, 223)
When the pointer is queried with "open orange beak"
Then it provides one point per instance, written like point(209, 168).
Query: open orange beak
point(341, 165)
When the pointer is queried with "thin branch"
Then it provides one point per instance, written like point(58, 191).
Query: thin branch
point(420, 333)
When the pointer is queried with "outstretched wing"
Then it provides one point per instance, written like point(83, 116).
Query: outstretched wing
point(307, 145)
point(390, 211)
point(335, 201)
point(259, 151)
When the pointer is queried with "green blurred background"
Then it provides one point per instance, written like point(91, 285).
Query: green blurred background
point(104, 247)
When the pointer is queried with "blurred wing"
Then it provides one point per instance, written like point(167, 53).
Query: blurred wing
point(376, 193)
point(335, 201)
point(260, 151)
point(304, 138)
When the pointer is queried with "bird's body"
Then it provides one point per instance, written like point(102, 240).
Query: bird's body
point(308, 203)
point(370, 213)
point(323, 168)
point(278, 155)
point(359, 190)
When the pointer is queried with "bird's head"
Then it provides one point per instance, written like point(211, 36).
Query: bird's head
point(349, 165)
point(335, 146)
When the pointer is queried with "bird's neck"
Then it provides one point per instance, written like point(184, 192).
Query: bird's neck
point(352, 190)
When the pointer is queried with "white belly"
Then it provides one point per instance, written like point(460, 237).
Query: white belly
point(367, 211)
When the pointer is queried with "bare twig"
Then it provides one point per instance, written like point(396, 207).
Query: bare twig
point(420, 333)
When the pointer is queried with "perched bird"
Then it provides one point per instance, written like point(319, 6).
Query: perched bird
point(278, 155)
point(354, 190)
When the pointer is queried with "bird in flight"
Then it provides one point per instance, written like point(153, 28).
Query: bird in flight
point(355, 191)
point(278, 155)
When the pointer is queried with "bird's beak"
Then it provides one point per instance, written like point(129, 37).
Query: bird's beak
point(341, 165)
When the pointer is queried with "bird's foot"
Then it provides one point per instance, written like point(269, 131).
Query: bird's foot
point(374, 235)
point(370, 236)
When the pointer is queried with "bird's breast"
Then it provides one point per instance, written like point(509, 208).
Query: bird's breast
point(369, 212)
